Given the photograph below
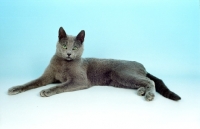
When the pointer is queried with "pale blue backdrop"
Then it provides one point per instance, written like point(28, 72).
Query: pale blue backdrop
point(164, 36)
point(161, 34)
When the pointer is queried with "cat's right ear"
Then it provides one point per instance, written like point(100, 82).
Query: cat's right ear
point(62, 33)
point(81, 36)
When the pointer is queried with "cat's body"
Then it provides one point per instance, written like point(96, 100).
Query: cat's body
point(76, 73)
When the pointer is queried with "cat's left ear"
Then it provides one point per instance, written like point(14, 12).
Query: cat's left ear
point(61, 33)
point(81, 36)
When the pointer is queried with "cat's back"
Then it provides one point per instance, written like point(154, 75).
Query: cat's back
point(113, 64)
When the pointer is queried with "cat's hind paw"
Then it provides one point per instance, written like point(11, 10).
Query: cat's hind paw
point(141, 91)
point(149, 96)
point(15, 90)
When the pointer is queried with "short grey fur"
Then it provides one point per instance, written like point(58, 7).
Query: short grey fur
point(77, 73)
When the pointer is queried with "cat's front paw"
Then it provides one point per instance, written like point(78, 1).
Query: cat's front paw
point(46, 93)
point(15, 90)
point(149, 96)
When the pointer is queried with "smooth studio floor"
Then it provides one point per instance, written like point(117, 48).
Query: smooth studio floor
point(100, 107)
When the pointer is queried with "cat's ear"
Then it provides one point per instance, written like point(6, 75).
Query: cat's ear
point(62, 33)
point(81, 36)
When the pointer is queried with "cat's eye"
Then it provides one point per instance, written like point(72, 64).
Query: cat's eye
point(75, 48)
point(64, 46)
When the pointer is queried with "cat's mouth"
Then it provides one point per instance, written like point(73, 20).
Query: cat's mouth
point(69, 59)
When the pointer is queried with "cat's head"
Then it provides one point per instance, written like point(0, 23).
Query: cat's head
point(70, 47)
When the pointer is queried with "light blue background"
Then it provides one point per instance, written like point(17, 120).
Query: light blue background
point(164, 36)
point(161, 34)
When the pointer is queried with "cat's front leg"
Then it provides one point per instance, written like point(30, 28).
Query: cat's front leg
point(46, 78)
point(31, 85)
point(22, 88)
point(15, 90)
point(64, 87)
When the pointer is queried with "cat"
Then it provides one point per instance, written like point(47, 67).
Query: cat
point(77, 73)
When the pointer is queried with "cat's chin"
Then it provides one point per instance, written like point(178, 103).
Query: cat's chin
point(69, 59)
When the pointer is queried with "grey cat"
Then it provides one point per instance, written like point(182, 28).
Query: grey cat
point(76, 73)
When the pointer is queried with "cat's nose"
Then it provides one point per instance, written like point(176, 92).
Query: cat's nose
point(69, 54)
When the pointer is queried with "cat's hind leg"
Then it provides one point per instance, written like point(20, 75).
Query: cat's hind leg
point(150, 91)
point(126, 79)
point(147, 92)
point(141, 91)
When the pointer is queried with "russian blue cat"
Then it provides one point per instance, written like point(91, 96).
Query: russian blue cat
point(77, 73)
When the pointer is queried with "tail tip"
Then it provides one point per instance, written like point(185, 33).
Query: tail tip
point(175, 97)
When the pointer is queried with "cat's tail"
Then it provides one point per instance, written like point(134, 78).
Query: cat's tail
point(162, 88)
